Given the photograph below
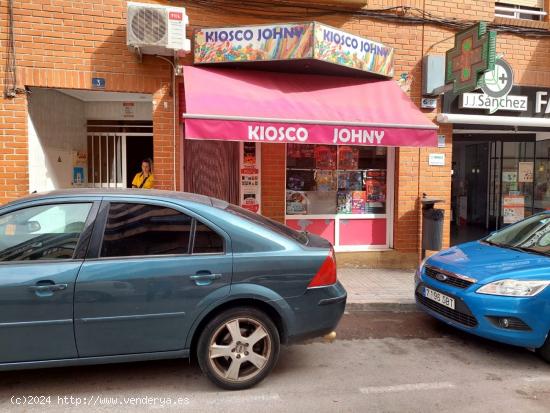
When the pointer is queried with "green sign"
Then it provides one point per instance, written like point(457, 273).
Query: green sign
point(473, 54)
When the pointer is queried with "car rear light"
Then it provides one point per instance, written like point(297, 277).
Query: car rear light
point(326, 274)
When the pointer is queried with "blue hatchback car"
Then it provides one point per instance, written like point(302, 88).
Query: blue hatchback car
point(98, 276)
point(497, 287)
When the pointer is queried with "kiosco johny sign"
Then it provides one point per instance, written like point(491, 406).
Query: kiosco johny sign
point(292, 41)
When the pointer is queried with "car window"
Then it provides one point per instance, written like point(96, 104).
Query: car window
point(139, 229)
point(531, 235)
point(271, 224)
point(43, 232)
point(207, 241)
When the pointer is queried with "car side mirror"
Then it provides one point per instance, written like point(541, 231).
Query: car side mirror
point(33, 226)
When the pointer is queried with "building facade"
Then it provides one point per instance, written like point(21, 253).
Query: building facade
point(80, 108)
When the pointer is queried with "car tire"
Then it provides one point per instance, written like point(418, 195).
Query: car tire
point(238, 348)
point(544, 351)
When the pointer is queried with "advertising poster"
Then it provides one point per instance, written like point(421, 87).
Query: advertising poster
point(250, 176)
point(513, 208)
point(128, 110)
point(509, 176)
point(525, 172)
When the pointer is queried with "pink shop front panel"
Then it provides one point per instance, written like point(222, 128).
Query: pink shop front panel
point(322, 227)
point(362, 231)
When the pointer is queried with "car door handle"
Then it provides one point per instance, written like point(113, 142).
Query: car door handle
point(205, 278)
point(48, 287)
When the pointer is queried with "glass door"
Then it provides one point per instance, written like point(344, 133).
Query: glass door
point(511, 176)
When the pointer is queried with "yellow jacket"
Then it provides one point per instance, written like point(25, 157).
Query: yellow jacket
point(139, 179)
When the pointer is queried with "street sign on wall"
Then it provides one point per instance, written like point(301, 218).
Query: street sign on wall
point(473, 54)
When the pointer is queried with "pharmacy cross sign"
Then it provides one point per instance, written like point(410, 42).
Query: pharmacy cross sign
point(473, 54)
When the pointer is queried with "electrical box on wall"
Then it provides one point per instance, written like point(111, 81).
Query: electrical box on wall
point(433, 74)
point(157, 30)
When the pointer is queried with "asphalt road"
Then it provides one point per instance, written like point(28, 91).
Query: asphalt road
point(381, 362)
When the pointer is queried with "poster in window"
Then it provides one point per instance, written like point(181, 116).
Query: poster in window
point(325, 180)
point(513, 208)
point(78, 175)
point(525, 172)
point(325, 157)
point(250, 176)
point(348, 157)
point(358, 199)
point(509, 176)
point(296, 203)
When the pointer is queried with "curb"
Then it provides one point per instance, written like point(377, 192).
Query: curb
point(396, 307)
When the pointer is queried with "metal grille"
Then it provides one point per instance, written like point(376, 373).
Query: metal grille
point(149, 25)
point(451, 278)
point(455, 315)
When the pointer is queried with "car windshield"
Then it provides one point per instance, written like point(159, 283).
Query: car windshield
point(275, 226)
point(530, 235)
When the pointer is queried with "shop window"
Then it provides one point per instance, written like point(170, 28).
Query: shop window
point(542, 176)
point(330, 179)
point(521, 9)
point(140, 230)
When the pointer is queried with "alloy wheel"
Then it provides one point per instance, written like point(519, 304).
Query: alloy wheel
point(240, 349)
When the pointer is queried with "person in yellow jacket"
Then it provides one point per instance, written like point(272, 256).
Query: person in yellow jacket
point(145, 178)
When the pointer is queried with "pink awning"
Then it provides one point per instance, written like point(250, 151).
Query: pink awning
point(246, 105)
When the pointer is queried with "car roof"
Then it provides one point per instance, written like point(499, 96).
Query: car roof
point(138, 193)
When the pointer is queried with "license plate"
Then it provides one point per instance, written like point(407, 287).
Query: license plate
point(439, 298)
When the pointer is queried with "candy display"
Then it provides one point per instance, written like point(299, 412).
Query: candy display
point(348, 157)
point(296, 203)
point(358, 199)
point(325, 180)
point(343, 202)
point(375, 185)
point(352, 181)
point(299, 180)
point(300, 156)
point(330, 179)
point(325, 157)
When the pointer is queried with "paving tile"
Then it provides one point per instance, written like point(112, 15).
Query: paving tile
point(366, 285)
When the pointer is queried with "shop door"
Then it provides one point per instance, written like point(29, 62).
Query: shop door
point(476, 178)
point(511, 182)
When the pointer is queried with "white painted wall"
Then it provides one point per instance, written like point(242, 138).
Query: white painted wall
point(115, 111)
point(57, 127)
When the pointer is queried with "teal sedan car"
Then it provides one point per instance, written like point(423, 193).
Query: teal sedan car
point(108, 276)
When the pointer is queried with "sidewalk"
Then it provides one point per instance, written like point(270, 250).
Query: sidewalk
point(378, 289)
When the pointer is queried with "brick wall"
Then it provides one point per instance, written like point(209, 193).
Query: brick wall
point(64, 43)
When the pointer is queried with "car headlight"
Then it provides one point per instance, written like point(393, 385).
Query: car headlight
point(419, 270)
point(514, 288)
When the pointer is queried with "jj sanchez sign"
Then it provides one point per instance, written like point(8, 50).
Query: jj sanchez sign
point(499, 94)
point(292, 41)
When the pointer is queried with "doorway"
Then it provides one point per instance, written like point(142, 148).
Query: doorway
point(116, 150)
point(489, 188)
point(138, 148)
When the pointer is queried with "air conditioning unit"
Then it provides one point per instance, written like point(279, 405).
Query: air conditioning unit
point(156, 29)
